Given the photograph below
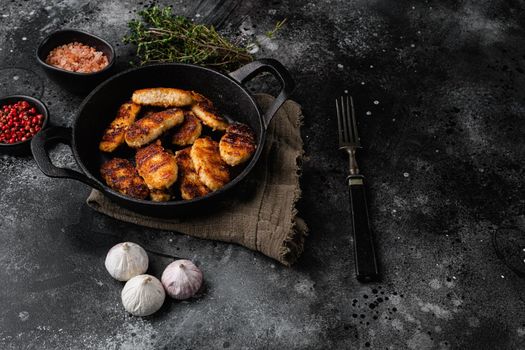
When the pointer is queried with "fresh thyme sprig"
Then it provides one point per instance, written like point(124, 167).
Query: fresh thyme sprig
point(164, 37)
point(271, 33)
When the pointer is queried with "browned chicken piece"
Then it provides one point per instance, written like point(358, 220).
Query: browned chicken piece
point(163, 97)
point(238, 144)
point(157, 167)
point(188, 132)
point(190, 184)
point(114, 134)
point(147, 129)
point(160, 195)
point(205, 111)
point(121, 175)
point(212, 170)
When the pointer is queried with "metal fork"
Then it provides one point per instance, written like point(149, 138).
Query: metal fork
point(364, 253)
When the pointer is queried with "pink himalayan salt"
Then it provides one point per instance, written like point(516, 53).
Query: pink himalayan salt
point(77, 57)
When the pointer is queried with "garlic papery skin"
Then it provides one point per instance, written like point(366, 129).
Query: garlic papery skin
point(126, 260)
point(143, 295)
point(181, 279)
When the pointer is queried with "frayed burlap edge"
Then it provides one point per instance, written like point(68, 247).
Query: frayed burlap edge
point(293, 245)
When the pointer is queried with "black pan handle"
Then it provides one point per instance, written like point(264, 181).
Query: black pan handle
point(364, 253)
point(39, 146)
point(274, 67)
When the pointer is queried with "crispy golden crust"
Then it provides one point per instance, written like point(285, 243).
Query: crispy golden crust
point(206, 112)
point(163, 97)
point(160, 195)
point(212, 170)
point(157, 167)
point(147, 129)
point(238, 144)
point(188, 132)
point(114, 134)
point(121, 175)
point(190, 184)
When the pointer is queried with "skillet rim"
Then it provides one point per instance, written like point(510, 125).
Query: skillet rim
point(210, 196)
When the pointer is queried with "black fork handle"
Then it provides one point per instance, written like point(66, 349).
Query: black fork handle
point(364, 253)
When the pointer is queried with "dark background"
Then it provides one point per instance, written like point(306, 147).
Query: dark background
point(443, 152)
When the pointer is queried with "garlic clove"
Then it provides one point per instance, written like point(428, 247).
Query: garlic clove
point(126, 260)
point(181, 279)
point(143, 295)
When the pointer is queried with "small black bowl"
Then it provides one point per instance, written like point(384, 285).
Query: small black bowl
point(23, 147)
point(78, 83)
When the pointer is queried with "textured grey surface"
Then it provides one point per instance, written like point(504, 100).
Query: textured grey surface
point(444, 152)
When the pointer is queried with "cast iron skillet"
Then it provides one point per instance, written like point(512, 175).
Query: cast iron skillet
point(99, 108)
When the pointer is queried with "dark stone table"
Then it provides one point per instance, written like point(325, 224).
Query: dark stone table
point(440, 97)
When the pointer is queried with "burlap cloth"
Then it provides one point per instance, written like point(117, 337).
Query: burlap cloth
point(261, 215)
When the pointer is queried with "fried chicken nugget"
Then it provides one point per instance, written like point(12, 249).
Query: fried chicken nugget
point(190, 184)
point(114, 134)
point(157, 167)
point(206, 112)
point(212, 170)
point(121, 175)
point(147, 129)
point(238, 144)
point(189, 130)
point(163, 97)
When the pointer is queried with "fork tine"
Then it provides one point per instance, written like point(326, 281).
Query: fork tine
point(339, 130)
point(346, 121)
point(347, 117)
point(346, 126)
point(354, 121)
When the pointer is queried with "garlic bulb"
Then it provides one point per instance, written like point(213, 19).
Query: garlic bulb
point(143, 295)
point(126, 260)
point(181, 279)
